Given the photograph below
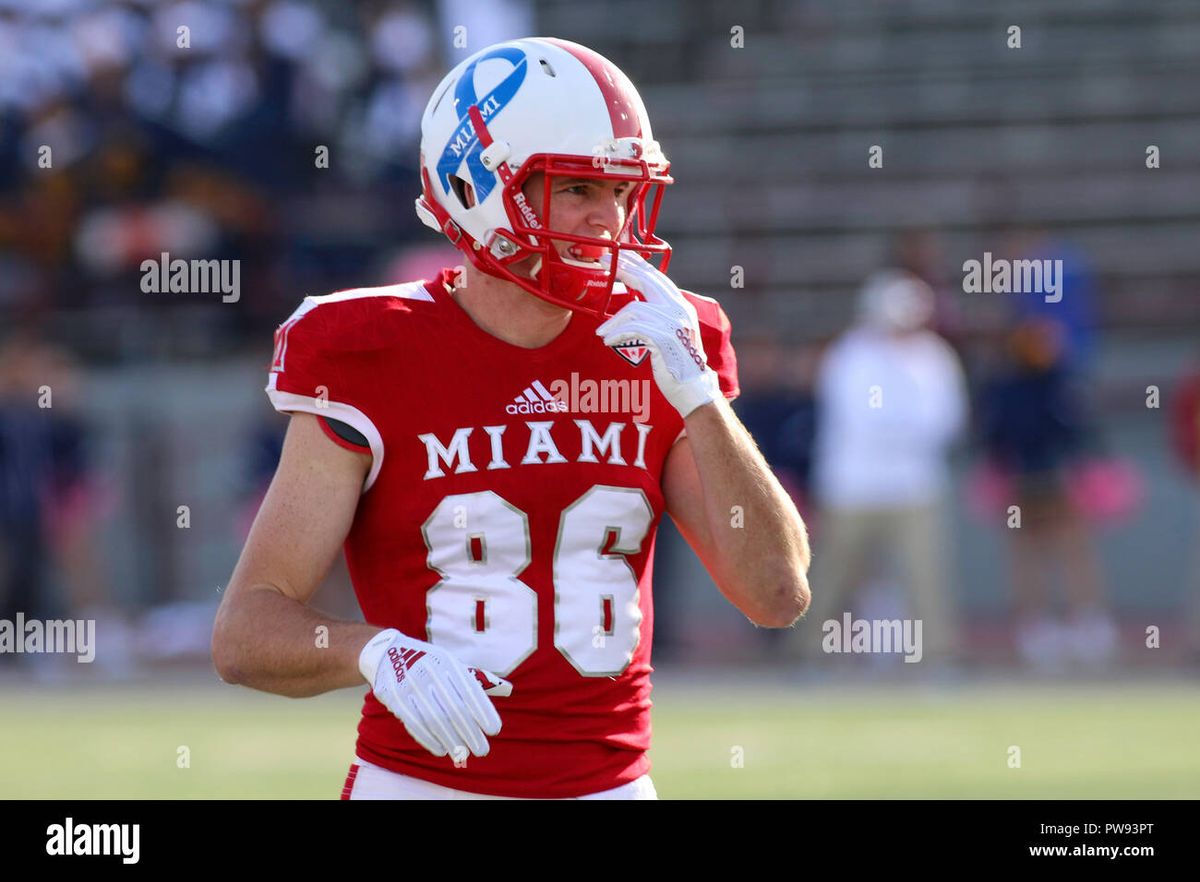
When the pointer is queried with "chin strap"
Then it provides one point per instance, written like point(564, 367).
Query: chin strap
point(494, 152)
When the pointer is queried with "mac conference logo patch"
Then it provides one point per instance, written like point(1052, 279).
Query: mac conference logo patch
point(633, 351)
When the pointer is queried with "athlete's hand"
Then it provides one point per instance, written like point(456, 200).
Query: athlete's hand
point(442, 702)
point(667, 324)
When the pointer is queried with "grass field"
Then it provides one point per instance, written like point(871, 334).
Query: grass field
point(1079, 741)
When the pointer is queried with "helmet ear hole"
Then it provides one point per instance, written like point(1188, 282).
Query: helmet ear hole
point(463, 191)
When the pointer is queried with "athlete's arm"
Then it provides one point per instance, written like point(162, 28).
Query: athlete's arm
point(757, 553)
point(265, 635)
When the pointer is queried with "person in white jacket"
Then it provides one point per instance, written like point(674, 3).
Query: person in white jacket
point(891, 398)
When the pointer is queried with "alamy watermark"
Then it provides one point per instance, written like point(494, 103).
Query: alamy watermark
point(873, 636)
point(60, 636)
point(1002, 276)
point(113, 840)
point(584, 395)
point(604, 396)
point(179, 276)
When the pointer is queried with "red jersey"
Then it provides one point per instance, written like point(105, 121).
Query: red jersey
point(509, 515)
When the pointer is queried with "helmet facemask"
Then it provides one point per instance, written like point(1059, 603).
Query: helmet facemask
point(570, 269)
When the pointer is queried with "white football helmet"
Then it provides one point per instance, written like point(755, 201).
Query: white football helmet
point(539, 105)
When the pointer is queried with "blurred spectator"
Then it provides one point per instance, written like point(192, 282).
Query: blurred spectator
point(49, 505)
point(919, 252)
point(38, 453)
point(1036, 431)
point(891, 398)
point(1074, 313)
point(1185, 439)
point(1185, 422)
point(778, 407)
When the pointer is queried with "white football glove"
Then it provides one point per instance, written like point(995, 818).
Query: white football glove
point(442, 702)
point(667, 325)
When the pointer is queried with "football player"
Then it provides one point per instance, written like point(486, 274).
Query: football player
point(495, 447)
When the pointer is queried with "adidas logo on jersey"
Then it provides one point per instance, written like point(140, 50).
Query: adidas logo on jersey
point(536, 399)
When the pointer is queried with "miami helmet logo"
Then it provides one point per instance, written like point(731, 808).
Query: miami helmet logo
point(464, 143)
